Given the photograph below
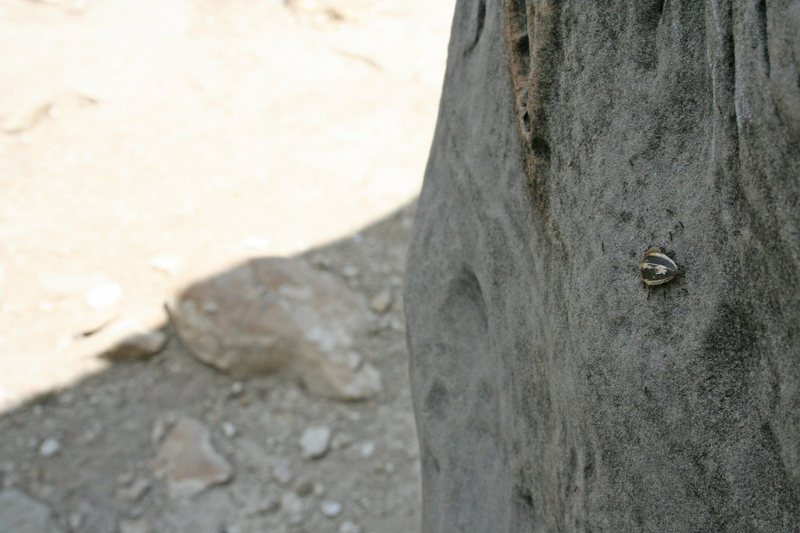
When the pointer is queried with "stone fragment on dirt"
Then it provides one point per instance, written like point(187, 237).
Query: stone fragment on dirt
point(22, 514)
point(49, 447)
point(315, 442)
point(163, 423)
point(133, 491)
point(282, 473)
point(132, 337)
point(188, 462)
point(303, 487)
point(367, 449)
point(103, 295)
point(229, 429)
point(349, 527)
point(350, 271)
point(381, 302)
point(129, 340)
point(292, 505)
point(278, 314)
point(330, 508)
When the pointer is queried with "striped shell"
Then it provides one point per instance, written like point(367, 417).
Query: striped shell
point(657, 268)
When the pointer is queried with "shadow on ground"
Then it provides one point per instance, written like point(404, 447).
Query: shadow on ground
point(89, 452)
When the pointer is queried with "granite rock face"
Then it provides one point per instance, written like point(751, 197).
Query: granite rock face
point(553, 391)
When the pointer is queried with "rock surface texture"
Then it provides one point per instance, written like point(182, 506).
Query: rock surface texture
point(553, 392)
point(21, 514)
point(278, 314)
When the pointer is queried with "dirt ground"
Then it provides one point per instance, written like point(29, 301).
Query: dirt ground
point(144, 146)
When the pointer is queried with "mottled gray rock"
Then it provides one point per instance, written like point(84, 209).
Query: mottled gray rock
point(275, 314)
point(188, 462)
point(21, 514)
point(553, 392)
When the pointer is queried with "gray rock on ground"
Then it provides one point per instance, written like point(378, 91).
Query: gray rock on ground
point(275, 314)
point(22, 514)
point(188, 462)
point(315, 442)
point(553, 392)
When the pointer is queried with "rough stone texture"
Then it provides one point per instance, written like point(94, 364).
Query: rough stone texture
point(551, 393)
point(188, 462)
point(273, 314)
point(21, 514)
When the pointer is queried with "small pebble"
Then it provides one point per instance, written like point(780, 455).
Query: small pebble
point(381, 302)
point(291, 503)
point(75, 521)
point(349, 527)
point(103, 295)
point(350, 271)
point(368, 449)
point(283, 473)
point(303, 487)
point(330, 508)
point(49, 447)
point(229, 429)
point(315, 442)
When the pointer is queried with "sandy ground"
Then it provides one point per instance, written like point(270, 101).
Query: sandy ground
point(212, 130)
point(204, 131)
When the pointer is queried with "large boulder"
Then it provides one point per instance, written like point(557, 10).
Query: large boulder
point(553, 390)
